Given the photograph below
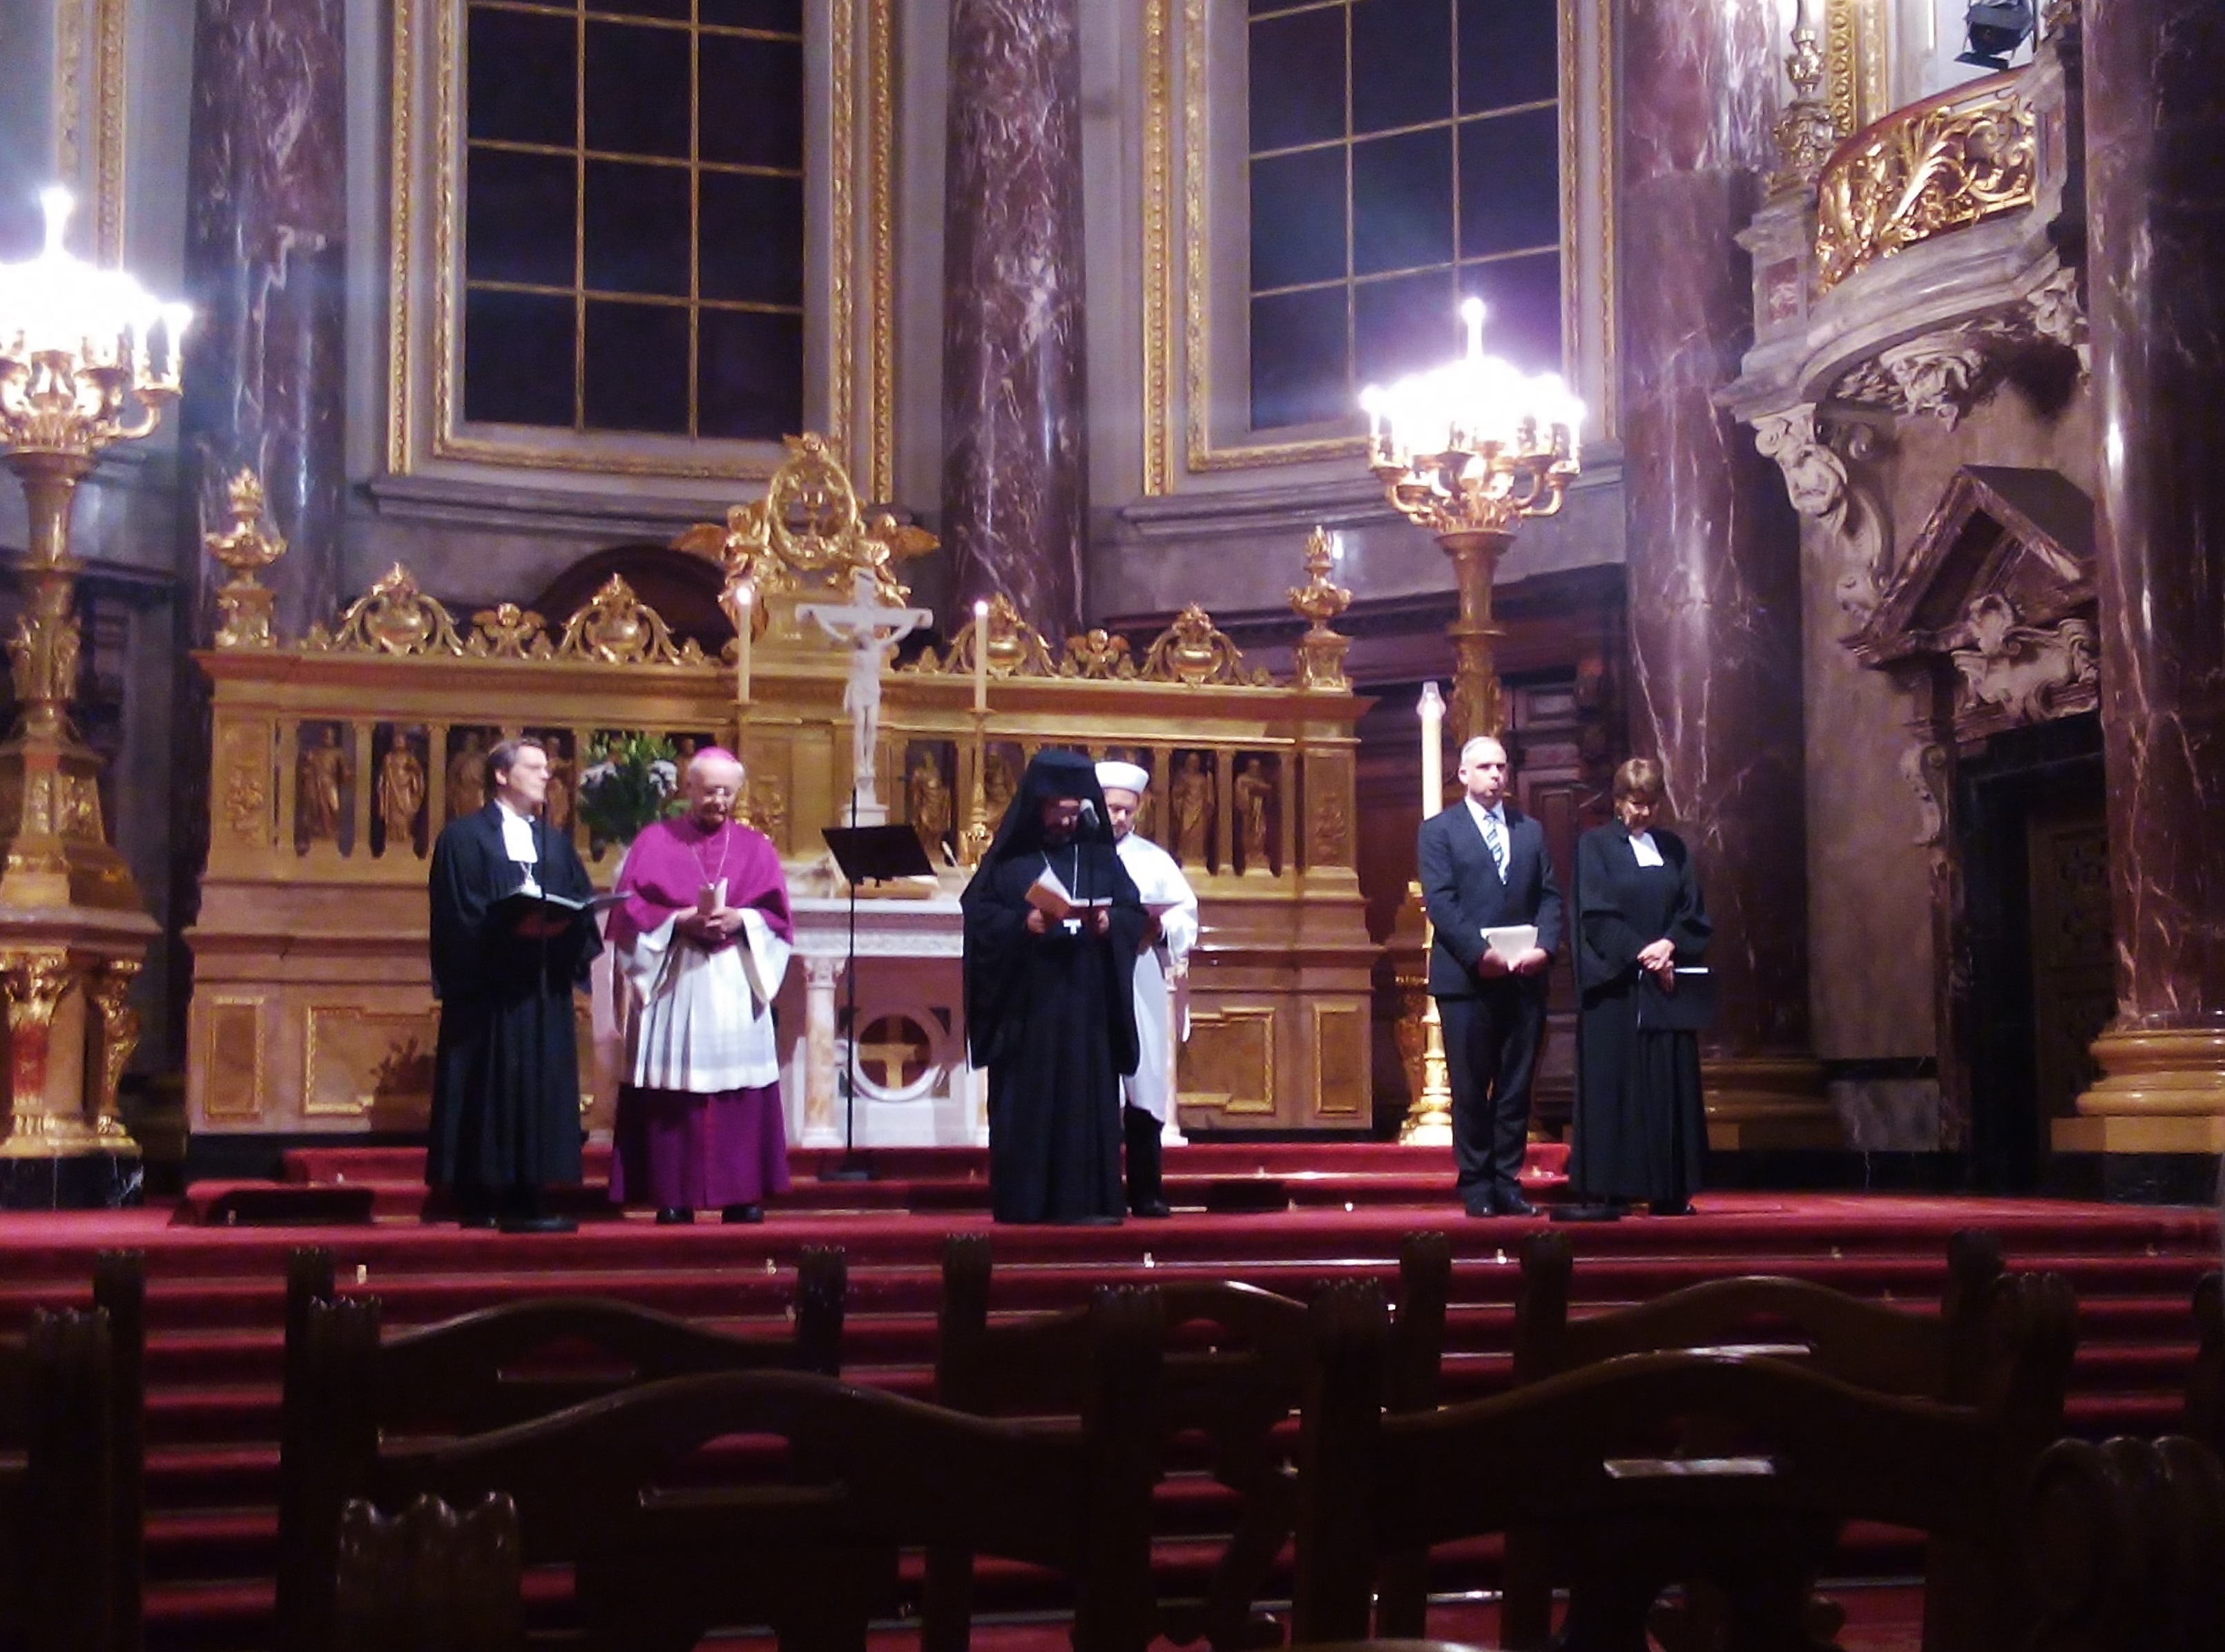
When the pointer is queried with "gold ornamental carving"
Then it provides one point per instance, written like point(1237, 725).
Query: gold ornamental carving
point(809, 533)
point(508, 632)
point(1195, 651)
point(1015, 648)
point(1319, 653)
point(42, 655)
point(110, 992)
point(247, 547)
point(1097, 656)
point(1807, 132)
point(45, 1121)
point(394, 617)
point(1934, 167)
point(617, 628)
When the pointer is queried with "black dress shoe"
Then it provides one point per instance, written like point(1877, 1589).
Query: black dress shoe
point(1511, 1202)
point(1480, 1204)
point(538, 1224)
point(476, 1219)
point(675, 1215)
point(1670, 1207)
point(751, 1212)
point(1154, 1208)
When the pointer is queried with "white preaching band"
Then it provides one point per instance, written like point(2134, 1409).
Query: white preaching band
point(1162, 972)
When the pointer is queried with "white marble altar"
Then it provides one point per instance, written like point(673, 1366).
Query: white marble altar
point(914, 1086)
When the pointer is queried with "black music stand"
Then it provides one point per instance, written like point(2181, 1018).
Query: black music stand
point(866, 854)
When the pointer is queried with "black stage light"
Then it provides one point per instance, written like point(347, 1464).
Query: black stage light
point(1996, 30)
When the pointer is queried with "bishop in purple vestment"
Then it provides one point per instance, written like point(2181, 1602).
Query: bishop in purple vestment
point(702, 943)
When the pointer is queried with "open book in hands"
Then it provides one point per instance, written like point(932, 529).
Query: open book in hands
point(1049, 896)
point(1511, 942)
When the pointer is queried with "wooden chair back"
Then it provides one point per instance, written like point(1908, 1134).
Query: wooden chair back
point(119, 1290)
point(1867, 1344)
point(351, 1387)
point(429, 1580)
point(1236, 1377)
point(669, 1542)
point(2126, 1543)
point(1594, 1455)
point(2205, 1383)
point(58, 1551)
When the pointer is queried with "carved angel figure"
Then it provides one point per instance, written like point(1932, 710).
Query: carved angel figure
point(1192, 798)
point(400, 795)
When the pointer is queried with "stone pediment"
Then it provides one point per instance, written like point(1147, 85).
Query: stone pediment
point(1999, 586)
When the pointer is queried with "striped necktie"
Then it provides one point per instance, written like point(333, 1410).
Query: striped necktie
point(1494, 838)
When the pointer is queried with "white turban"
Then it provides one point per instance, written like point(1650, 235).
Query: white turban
point(1122, 776)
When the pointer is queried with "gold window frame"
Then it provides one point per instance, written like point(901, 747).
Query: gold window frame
point(849, 265)
point(1180, 322)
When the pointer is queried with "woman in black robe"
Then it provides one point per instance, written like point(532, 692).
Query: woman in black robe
point(1640, 1129)
point(1050, 1010)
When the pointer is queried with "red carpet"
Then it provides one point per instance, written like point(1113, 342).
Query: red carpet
point(214, 1298)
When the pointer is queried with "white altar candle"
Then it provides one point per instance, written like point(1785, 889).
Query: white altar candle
point(981, 656)
point(1432, 709)
point(745, 605)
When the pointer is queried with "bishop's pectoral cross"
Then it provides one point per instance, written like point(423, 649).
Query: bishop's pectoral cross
point(868, 629)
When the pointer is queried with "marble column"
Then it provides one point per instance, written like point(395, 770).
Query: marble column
point(1014, 444)
point(1713, 545)
point(2155, 124)
point(265, 268)
point(265, 386)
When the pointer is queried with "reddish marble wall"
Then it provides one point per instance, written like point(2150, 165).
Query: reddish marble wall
point(1014, 445)
point(1713, 550)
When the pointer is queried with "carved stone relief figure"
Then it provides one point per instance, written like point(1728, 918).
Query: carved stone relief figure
point(1924, 766)
point(1254, 792)
point(1822, 488)
point(926, 801)
point(467, 776)
point(2022, 669)
point(1944, 376)
point(401, 794)
point(1191, 800)
point(321, 779)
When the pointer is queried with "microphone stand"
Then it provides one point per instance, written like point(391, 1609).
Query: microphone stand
point(852, 1168)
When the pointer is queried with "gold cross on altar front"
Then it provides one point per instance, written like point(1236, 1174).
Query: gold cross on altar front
point(895, 1045)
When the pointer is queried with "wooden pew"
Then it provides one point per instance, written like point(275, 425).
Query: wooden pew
point(57, 1519)
point(1237, 1390)
point(2126, 1543)
point(669, 1543)
point(1863, 1343)
point(351, 1387)
point(2205, 1383)
point(119, 1290)
point(429, 1580)
point(1595, 1454)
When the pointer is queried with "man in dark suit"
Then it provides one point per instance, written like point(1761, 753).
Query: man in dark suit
point(1484, 865)
point(506, 1077)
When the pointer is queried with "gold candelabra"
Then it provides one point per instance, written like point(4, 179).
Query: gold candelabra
point(1320, 652)
point(1467, 451)
point(88, 360)
point(1428, 1122)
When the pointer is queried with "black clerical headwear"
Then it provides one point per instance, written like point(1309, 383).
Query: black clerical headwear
point(1051, 774)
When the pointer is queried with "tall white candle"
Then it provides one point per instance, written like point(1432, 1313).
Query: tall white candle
point(1432, 709)
point(745, 607)
point(981, 656)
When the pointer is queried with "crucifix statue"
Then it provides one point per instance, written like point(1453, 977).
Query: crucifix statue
point(868, 629)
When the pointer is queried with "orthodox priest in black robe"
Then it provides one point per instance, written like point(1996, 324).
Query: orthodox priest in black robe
point(1639, 1128)
point(1050, 1008)
point(506, 1082)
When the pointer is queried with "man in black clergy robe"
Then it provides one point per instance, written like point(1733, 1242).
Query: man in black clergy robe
point(506, 1084)
point(1050, 1008)
point(1484, 865)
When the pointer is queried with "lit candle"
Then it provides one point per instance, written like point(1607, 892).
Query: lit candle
point(981, 656)
point(1433, 750)
point(744, 607)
